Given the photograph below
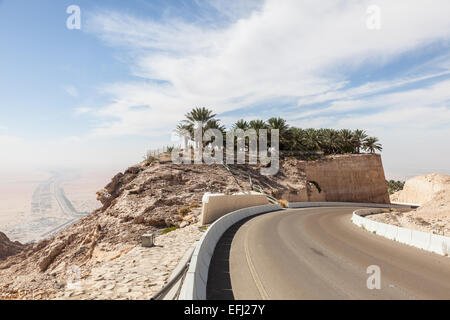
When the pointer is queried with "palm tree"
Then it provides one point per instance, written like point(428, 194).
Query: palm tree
point(330, 141)
point(241, 124)
point(257, 125)
point(296, 139)
point(278, 123)
point(347, 143)
point(371, 144)
point(359, 137)
point(199, 115)
point(203, 116)
point(283, 129)
point(312, 140)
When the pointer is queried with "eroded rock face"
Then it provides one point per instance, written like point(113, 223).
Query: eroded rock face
point(432, 192)
point(9, 248)
point(423, 188)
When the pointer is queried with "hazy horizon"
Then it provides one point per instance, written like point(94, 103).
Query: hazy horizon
point(100, 96)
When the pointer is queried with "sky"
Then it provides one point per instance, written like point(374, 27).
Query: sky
point(103, 94)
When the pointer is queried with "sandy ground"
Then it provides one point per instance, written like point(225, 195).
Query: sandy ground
point(433, 222)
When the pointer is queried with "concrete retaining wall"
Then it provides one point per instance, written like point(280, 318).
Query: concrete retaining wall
point(217, 205)
point(422, 240)
point(194, 285)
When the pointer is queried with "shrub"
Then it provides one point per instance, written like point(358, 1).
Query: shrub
point(283, 203)
point(184, 211)
point(195, 205)
point(167, 230)
point(149, 157)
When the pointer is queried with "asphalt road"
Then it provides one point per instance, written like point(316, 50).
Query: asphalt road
point(318, 253)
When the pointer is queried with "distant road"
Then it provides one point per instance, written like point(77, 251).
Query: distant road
point(42, 204)
point(317, 253)
point(64, 203)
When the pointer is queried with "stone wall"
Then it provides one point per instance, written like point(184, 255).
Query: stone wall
point(347, 178)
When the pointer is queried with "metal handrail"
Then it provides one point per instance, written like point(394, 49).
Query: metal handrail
point(253, 187)
point(180, 275)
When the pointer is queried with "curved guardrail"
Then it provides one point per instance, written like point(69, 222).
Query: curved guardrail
point(194, 285)
point(422, 240)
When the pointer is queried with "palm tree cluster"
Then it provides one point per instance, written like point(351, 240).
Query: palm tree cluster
point(292, 139)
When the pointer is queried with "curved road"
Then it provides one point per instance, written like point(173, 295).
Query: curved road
point(318, 253)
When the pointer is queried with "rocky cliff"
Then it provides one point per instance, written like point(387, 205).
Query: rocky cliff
point(155, 195)
point(8, 248)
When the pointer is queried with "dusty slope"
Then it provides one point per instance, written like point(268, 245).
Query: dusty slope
point(145, 198)
point(433, 192)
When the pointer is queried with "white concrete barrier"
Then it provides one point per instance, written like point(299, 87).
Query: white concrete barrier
point(194, 285)
point(391, 232)
point(404, 235)
point(216, 205)
point(439, 244)
point(422, 240)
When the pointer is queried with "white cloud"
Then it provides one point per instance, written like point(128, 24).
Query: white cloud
point(302, 51)
point(71, 91)
point(82, 110)
point(278, 51)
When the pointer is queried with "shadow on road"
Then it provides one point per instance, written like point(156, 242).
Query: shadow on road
point(219, 281)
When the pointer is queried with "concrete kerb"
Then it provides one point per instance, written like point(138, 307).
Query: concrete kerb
point(194, 286)
point(423, 240)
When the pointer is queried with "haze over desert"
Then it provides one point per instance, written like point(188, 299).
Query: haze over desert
point(28, 205)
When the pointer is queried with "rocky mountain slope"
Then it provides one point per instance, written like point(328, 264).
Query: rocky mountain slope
point(432, 191)
point(150, 197)
point(8, 248)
